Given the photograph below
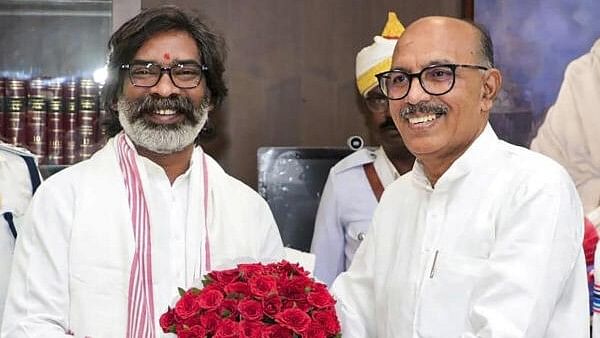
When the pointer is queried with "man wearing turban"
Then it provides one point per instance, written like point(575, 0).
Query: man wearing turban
point(355, 184)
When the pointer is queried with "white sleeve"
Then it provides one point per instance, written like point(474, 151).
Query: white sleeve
point(535, 283)
point(38, 298)
point(354, 291)
point(328, 236)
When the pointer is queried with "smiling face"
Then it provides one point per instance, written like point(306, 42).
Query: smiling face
point(164, 118)
point(438, 129)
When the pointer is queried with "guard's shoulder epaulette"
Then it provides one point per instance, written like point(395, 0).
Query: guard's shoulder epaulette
point(356, 159)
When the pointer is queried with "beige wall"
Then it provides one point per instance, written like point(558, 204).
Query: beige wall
point(290, 70)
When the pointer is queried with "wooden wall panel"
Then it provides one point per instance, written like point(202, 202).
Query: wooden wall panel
point(290, 70)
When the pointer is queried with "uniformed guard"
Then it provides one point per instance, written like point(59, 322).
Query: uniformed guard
point(19, 178)
point(356, 183)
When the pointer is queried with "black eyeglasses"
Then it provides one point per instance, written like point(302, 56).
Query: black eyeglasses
point(435, 80)
point(147, 74)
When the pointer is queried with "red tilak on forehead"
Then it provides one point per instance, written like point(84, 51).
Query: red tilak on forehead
point(167, 56)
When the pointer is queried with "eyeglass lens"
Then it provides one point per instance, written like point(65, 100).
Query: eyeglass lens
point(434, 80)
point(182, 75)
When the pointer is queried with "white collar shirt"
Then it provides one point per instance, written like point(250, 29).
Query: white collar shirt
point(493, 251)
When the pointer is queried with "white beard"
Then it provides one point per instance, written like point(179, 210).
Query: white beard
point(161, 139)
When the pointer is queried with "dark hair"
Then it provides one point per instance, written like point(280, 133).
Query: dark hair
point(130, 37)
point(485, 41)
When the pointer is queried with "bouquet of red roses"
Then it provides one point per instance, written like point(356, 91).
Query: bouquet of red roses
point(256, 301)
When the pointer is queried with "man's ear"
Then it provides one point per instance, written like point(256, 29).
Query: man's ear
point(492, 84)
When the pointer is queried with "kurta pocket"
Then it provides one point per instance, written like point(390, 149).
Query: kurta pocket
point(445, 293)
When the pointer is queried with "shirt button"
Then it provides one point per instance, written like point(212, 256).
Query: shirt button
point(361, 236)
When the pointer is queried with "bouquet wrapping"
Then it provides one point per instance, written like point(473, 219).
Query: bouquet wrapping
point(256, 301)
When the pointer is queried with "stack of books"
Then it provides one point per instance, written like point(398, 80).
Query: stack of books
point(56, 119)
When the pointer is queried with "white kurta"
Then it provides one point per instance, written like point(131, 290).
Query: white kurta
point(493, 251)
point(569, 133)
point(345, 211)
point(72, 262)
point(15, 194)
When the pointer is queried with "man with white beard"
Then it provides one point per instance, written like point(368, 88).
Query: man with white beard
point(107, 242)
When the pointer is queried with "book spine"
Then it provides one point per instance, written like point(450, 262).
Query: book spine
point(70, 143)
point(36, 139)
point(16, 101)
point(55, 124)
point(87, 118)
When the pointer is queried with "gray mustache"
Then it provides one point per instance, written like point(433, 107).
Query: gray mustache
point(423, 107)
point(151, 103)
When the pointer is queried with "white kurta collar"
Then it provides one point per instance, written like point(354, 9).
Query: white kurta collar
point(474, 156)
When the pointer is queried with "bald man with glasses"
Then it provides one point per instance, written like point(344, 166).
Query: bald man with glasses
point(482, 238)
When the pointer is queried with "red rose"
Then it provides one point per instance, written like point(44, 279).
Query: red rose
point(294, 319)
point(195, 331)
point(195, 319)
point(272, 305)
point(276, 331)
point(250, 309)
point(225, 276)
point(210, 284)
point(210, 320)
point(238, 290)
point(210, 299)
point(262, 286)
point(251, 329)
point(213, 286)
point(254, 301)
point(314, 331)
point(227, 328)
point(229, 308)
point(295, 289)
point(320, 297)
point(167, 321)
point(187, 306)
point(302, 305)
point(291, 269)
point(249, 270)
point(328, 320)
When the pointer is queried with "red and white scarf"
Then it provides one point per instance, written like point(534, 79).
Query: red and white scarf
point(140, 304)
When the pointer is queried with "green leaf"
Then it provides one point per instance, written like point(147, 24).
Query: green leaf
point(207, 280)
point(181, 292)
